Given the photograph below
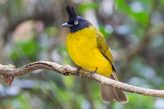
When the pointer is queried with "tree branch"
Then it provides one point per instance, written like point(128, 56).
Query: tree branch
point(12, 71)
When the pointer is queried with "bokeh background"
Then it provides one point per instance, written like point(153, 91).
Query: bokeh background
point(30, 31)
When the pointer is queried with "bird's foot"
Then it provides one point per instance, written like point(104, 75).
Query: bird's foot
point(90, 74)
point(78, 71)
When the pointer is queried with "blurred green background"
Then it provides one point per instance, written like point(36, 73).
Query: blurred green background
point(30, 31)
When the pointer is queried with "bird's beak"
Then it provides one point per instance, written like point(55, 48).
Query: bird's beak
point(66, 25)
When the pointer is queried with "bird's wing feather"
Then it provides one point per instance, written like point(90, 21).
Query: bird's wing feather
point(109, 93)
point(104, 49)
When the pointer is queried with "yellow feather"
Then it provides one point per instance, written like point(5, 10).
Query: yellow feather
point(83, 50)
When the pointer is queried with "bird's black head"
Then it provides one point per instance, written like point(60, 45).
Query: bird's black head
point(75, 22)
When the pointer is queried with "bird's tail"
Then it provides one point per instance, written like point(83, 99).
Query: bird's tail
point(109, 93)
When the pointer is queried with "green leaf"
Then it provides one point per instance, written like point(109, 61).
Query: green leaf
point(140, 102)
point(141, 18)
point(103, 30)
point(28, 48)
point(122, 6)
point(85, 6)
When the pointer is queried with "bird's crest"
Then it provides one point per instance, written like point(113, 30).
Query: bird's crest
point(71, 12)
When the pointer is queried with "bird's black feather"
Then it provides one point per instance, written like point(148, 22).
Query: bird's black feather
point(82, 23)
point(71, 12)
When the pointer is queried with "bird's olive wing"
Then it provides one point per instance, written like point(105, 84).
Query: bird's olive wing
point(104, 49)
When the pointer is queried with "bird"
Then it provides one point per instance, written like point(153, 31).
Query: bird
point(88, 49)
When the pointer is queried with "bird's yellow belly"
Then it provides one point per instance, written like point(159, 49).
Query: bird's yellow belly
point(84, 52)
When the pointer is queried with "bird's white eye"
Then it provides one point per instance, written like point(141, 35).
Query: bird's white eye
point(76, 22)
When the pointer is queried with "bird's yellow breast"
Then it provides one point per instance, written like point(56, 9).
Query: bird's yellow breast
point(82, 48)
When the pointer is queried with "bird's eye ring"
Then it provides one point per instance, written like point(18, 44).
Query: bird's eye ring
point(76, 22)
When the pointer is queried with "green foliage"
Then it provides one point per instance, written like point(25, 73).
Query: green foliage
point(122, 6)
point(85, 6)
point(104, 30)
point(141, 16)
point(27, 49)
point(21, 102)
point(49, 90)
point(139, 102)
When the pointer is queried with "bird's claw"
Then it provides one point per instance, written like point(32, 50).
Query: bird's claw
point(90, 74)
point(78, 71)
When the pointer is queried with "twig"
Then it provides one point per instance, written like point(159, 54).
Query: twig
point(10, 70)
